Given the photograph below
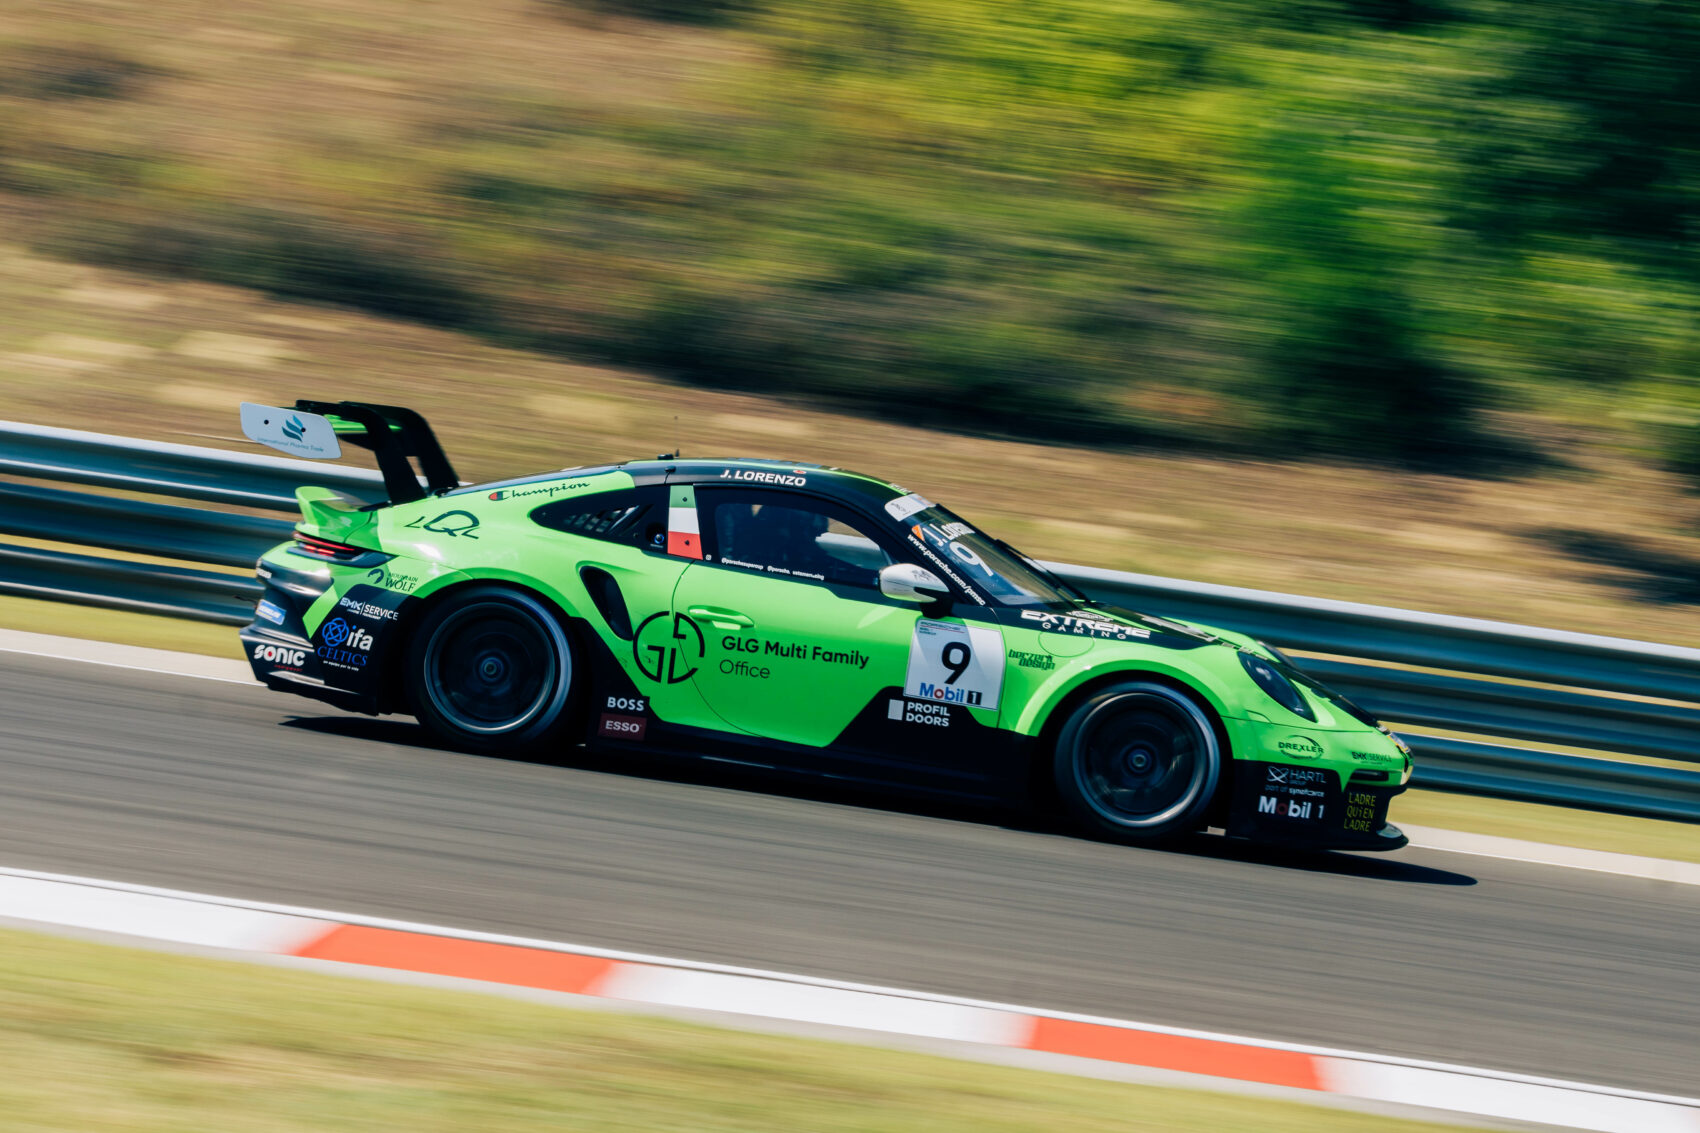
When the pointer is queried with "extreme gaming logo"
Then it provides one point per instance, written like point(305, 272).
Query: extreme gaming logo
point(294, 428)
point(667, 651)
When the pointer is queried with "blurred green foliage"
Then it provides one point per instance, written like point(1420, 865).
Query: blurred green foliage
point(1344, 226)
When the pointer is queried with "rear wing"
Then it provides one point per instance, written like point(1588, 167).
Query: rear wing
point(395, 435)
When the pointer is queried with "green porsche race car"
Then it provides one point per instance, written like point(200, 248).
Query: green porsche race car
point(794, 617)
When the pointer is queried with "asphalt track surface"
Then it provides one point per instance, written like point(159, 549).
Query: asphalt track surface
point(233, 790)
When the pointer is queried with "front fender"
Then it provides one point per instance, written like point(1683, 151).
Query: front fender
point(1068, 679)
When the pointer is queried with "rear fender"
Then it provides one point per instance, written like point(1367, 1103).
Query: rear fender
point(442, 588)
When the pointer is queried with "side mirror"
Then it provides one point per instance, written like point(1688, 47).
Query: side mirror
point(907, 582)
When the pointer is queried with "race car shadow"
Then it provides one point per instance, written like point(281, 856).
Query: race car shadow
point(1379, 866)
point(799, 785)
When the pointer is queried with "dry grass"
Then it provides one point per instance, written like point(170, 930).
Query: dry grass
point(97, 1038)
point(1603, 545)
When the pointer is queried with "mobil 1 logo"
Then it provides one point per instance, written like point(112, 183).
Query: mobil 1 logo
point(953, 663)
point(1299, 794)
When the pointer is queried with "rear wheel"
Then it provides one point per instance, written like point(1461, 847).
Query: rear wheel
point(1137, 762)
point(491, 669)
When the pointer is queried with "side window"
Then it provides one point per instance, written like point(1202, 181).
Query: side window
point(791, 536)
point(636, 517)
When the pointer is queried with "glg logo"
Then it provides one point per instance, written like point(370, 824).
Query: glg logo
point(665, 656)
point(280, 655)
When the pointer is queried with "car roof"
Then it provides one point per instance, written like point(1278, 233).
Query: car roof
point(741, 471)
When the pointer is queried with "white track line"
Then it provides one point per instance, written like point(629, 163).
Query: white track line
point(1543, 853)
point(196, 665)
point(166, 661)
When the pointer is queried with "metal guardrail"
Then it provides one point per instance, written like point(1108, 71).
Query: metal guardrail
point(184, 471)
point(1583, 713)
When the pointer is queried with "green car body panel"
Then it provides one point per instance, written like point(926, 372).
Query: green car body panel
point(686, 649)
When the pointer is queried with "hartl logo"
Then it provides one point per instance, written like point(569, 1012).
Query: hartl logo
point(294, 428)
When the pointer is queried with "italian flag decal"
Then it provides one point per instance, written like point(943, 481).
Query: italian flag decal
point(684, 537)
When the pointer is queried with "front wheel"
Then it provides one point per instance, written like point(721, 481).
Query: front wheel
point(491, 670)
point(1137, 762)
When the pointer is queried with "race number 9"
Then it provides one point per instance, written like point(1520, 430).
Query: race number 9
point(954, 663)
point(955, 656)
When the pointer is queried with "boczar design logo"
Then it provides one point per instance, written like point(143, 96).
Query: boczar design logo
point(667, 651)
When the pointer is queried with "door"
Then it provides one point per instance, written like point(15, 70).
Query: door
point(800, 642)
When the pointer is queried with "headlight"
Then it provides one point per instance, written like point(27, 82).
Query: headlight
point(1394, 736)
point(1280, 689)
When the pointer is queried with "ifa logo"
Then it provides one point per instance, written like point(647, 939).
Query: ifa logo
point(339, 633)
point(344, 644)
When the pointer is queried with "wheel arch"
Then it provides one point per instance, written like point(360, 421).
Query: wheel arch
point(1060, 706)
point(393, 691)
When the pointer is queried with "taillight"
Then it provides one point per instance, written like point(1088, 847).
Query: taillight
point(328, 550)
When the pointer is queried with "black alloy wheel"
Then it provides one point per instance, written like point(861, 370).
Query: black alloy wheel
point(1138, 762)
point(492, 670)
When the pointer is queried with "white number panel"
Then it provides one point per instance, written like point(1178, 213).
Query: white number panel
point(953, 663)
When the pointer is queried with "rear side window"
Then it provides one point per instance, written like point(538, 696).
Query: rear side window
point(636, 517)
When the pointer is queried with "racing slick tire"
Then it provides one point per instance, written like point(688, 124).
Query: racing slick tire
point(491, 670)
point(1137, 762)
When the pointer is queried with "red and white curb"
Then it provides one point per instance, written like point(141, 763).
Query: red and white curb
point(196, 919)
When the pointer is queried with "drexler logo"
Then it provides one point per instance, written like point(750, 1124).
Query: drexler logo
point(1300, 747)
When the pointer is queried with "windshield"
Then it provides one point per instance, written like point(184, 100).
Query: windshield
point(979, 563)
